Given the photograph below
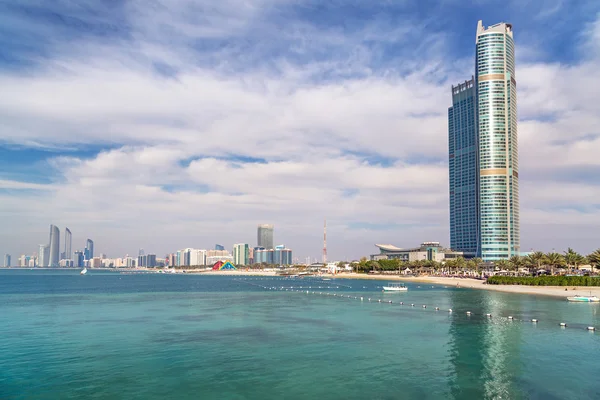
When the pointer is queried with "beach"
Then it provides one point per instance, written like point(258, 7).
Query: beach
point(554, 291)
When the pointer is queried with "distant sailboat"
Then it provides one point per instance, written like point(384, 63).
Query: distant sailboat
point(83, 271)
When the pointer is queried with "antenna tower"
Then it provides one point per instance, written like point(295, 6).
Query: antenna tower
point(325, 242)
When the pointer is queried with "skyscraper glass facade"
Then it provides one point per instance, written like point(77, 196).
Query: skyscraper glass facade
point(89, 249)
point(463, 169)
point(482, 131)
point(498, 147)
point(67, 253)
point(265, 236)
point(54, 246)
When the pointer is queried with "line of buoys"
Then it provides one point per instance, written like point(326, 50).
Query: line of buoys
point(469, 313)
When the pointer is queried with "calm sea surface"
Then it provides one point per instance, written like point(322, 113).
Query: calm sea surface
point(151, 336)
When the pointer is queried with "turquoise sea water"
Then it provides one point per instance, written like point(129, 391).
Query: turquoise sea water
point(151, 336)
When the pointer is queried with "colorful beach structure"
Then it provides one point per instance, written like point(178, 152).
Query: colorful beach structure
point(224, 266)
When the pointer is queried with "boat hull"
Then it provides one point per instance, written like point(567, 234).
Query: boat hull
point(584, 299)
point(393, 289)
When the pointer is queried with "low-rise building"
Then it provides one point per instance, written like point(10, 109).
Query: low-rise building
point(432, 251)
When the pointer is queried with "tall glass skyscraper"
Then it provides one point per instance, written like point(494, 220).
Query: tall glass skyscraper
point(44, 256)
point(497, 230)
point(89, 249)
point(67, 253)
point(464, 169)
point(265, 236)
point(54, 246)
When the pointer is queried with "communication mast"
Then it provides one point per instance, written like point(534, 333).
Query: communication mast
point(325, 242)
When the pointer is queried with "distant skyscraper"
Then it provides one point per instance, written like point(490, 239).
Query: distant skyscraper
point(44, 256)
point(67, 253)
point(241, 254)
point(89, 249)
point(54, 246)
point(265, 236)
point(483, 161)
point(78, 259)
point(219, 247)
point(141, 252)
point(283, 255)
point(7, 260)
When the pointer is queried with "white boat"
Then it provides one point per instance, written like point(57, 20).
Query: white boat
point(395, 287)
point(83, 271)
point(584, 299)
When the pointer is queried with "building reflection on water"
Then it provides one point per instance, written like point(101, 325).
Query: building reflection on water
point(484, 352)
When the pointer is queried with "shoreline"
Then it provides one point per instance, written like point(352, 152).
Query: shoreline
point(468, 283)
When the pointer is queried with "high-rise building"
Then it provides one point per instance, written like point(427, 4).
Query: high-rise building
point(54, 246)
point(197, 257)
point(219, 247)
point(483, 162)
point(463, 169)
point(283, 255)
point(44, 256)
point(89, 249)
point(265, 236)
point(78, 259)
point(241, 254)
point(151, 260)
point(7, 260)
point(498, 142)
point(66, 255)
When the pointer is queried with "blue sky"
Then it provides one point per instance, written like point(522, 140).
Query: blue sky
point(167, 124)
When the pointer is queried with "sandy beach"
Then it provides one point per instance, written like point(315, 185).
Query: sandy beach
point(555, 291)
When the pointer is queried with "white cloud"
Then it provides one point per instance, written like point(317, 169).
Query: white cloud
point(366, 147)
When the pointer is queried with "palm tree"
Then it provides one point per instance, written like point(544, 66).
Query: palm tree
point(573, 258)
point(516, 262)
point(554, 260)
point(536, 260)
point(502, 264)
point(594, 259)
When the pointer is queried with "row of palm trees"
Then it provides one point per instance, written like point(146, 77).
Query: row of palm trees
point(534, 261)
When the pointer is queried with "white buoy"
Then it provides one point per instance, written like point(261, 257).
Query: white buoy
point(591, 328)
point(361, 299)
point(534, 320)
point(369, 299)
point(424, 306)
point(437, 309)
point(468, 312)
point(510, 317)
point(412, 305)
point(390, 302)
point(488, 315)
point(563, 324)
point(401, 303)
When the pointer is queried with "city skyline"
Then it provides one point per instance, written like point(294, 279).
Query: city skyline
point(195, 134)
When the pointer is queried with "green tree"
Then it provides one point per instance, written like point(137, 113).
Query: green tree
point(516, 262)
point(573, 258)
point(502, 264)
point(594, 259)
point(535, 260)
point(554, 260)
